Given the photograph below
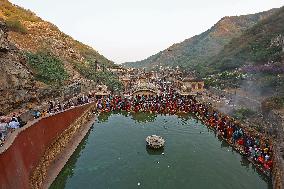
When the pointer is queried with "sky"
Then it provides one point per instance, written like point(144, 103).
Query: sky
point(132, 30)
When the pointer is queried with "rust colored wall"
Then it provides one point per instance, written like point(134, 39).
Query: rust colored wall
point(18, 161)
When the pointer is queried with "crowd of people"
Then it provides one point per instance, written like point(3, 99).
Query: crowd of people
point(256, 147)
point(57, 106)
point(8, 125)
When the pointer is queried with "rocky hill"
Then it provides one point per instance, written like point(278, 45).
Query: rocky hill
point(17, 81)
point(199, 49)
point(37, 59)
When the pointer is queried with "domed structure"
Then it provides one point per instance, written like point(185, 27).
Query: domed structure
point(155, 141)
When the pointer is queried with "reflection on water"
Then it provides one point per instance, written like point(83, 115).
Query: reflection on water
point(140, 117)
point(143, 117)
point(151, 151)
point(68, 169)
point(224, 144)
point(114, 155)
point(103, 117)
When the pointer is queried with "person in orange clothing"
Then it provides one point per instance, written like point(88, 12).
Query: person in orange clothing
point(230, 132)
point(260, 160)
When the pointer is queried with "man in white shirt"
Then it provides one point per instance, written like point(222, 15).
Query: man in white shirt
point(14, 124)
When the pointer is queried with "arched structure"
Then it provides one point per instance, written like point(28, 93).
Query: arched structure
point(146, 89)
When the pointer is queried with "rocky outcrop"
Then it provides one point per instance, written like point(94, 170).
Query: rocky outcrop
point(276, 120)
point(16, 81)
point(4, 45)
point(18, 86)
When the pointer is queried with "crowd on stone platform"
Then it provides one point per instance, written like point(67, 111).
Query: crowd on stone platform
point(252, 145)
point(13, 121)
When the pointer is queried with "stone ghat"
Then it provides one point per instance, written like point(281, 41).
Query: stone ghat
point(55, 148)
point(32, 149)
point(26, 156)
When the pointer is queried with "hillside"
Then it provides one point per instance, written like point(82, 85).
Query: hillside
point(30, 33)
point(38, 61)
point(199, 49)
point(258, 53)
point(259, 45)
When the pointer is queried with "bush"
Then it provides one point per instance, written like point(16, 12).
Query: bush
point(243, 113)
point(16, 26)
point(109, 79)
point(48, 68)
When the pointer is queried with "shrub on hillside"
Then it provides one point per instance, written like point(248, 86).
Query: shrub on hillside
point(243, 113)
point(16, 26)
point(47, 68)
point(276, 102)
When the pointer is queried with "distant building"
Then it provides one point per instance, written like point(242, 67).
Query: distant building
point(191, 86)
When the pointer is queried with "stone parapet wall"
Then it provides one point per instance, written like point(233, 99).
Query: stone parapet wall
point(27, 148)
point(276, 120)
point(57, 146)
point(278, 167)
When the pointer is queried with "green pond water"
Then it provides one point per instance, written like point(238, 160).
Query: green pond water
point(113, 155)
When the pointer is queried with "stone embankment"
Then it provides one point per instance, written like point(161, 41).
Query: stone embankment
point(16, 81)
point(30, 151)
point(276, 119)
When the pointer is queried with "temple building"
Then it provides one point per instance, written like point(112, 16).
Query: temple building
point(101, 91)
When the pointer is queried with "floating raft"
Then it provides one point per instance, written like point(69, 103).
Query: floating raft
point(155, 141)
